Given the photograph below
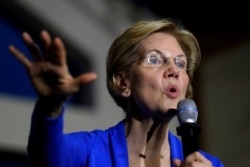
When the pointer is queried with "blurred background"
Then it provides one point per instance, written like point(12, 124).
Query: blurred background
point(88, 29)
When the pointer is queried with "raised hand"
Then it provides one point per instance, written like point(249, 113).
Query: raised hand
point(48, 70)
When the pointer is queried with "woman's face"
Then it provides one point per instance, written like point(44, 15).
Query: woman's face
point(157, 89)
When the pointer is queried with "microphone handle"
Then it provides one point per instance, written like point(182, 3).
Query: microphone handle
point(189, 135)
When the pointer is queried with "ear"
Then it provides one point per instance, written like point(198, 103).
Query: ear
point(123, 84)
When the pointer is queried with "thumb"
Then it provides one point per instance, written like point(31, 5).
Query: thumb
point(86, 78)
point(177, 163)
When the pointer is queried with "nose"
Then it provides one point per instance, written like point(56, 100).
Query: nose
point(171, 70)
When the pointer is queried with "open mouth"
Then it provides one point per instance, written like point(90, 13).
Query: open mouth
point(172, 91)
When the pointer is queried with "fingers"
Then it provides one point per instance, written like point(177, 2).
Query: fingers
point(46, 40)
point(85, 78)
point(74, 84)
point(20, 56)
point(54, 50)
point(32, 46)
point(196, 159)
point(177, 162)
point(59, 56)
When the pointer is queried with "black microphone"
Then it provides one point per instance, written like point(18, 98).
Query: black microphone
point(187, 114)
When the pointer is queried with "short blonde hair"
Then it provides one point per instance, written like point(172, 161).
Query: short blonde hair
point(122, 54)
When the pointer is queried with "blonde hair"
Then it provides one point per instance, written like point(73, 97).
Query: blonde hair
point(122, 54)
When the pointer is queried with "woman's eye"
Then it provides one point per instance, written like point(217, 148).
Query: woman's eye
point(154, 60)
point(181, 63)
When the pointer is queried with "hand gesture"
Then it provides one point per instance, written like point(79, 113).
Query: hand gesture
point(49, 71)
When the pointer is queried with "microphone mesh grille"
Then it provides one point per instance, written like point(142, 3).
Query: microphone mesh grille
point(187, 111)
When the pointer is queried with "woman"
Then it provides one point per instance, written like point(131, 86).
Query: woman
point(150, 67)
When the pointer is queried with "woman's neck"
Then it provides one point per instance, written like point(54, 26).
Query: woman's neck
point(147, 141)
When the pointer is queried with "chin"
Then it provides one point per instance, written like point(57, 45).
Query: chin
point(171, 105)
point(164, 116)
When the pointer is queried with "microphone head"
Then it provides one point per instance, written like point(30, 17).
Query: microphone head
point(187, 111)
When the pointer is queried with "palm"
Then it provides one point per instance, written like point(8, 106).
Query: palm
point(55, 81)
point(49, 72)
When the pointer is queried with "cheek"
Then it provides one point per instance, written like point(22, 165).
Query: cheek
point(145, 91)
point(144, 80)
point(144, 84)
point(184, 83)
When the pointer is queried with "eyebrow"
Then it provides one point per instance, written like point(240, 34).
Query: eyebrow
point(163, 54)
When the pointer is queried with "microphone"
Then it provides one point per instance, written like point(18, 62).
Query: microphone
point(187, 114)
